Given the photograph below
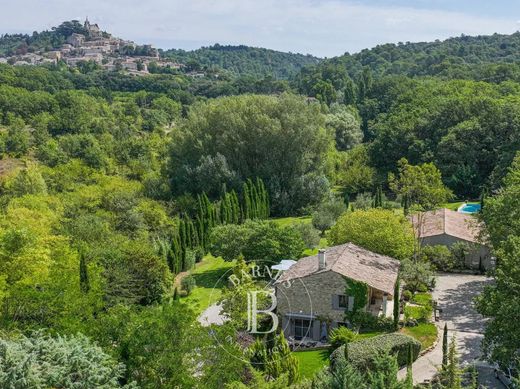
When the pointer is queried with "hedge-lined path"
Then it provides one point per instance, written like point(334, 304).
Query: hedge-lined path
point(454, 294)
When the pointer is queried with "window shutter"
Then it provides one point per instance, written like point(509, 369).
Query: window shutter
point(350, 303)
point(335, 301)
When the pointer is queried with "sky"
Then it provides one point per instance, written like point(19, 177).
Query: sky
point(324, 28)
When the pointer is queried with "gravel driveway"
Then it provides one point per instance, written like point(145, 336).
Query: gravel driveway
point(454, 294)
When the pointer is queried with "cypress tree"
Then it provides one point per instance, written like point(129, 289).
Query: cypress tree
point(200, 206)
point(176, 254)
point(453, 372)
point(224, 214)
point(182, 241)
point(346, 200)
point(409, 362)
point(216, 216)
point(235, 205)
point(229, 209)
point(206, 228)
point(482, 199)
point(170, 260)
point(408, 384)
point(254, 199)
point(445, 347)
point(84, 282)
point(194, 235)
point(246, 210)
point(222, 210)
point(208, 213)
point(200, 232)
point(396, 304)
point(267, 205)
point(262, 197)
point(259, 199)
point(266, 200)
point(286, 362)
point(189, 233)
point(406, 205)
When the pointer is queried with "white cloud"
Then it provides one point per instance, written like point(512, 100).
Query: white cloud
point(321, 27)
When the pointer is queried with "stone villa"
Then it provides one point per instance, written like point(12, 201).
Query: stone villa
point(311, 293)
point(446, 227)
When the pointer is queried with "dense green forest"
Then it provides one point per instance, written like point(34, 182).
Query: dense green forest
point(491, 58)
point(244, 60)
point(12, 44)
point(114, 187)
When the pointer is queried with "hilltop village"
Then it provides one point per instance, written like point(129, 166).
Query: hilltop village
point(93, 45)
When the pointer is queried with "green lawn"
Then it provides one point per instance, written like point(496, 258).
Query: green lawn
point(323, 244)
point(422, 299)
point(454, 206)
point(426, 333)
point(211, 276)
point(310, 362)
point(288, 221)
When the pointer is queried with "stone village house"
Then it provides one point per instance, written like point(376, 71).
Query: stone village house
point(446, 227)
point(311, 293)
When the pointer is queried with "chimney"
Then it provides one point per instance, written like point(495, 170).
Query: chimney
point(322, 261)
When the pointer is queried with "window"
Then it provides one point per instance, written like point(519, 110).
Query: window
point(302, 328)
point(342, 302)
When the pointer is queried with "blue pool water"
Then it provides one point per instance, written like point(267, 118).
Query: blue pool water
point(469, 208)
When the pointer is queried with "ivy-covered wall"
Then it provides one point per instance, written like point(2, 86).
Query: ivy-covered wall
point(358, 290)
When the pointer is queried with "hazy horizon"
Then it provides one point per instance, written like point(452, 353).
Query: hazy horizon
point(324, 28)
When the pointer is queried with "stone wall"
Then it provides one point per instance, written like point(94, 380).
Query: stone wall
point(312, 295)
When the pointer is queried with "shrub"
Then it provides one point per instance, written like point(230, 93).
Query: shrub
point(365, 322)
point(423, 299)
point(199, 254)
point(439, 256)
point(407, 295)
point(459, 251)
point(417, 275)
point(340, 336)
point(190, 260)
point(188, 284)
point(421, 313)
point(44, 361)
point(362, 353)
point(363, 201)
point(309, 234)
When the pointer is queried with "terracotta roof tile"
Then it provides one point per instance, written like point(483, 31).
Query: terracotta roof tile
point(351, 261)
point(445, 221)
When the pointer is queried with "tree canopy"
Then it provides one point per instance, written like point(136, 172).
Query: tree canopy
point(378, 230)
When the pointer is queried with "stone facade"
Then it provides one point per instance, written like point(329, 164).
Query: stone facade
point(315, 299)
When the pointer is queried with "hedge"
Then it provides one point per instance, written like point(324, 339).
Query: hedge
point(362, 353)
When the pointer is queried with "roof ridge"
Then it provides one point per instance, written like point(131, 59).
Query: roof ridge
point(340, 255)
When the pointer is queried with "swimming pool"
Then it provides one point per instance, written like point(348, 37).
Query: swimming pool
point(469, 208)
